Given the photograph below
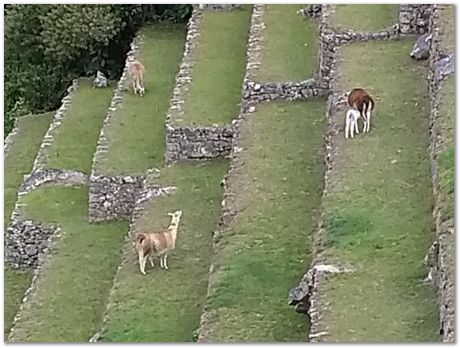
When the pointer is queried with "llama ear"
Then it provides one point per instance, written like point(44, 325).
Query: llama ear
point(170, 214)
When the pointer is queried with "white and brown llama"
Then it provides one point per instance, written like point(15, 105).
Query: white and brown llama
point(362, 105)
point(158, 243)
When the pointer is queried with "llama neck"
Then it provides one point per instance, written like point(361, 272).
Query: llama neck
point(173, 229)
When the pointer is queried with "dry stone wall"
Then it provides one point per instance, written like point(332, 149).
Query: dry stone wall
point(441, 254)
point(112, 197)
point(414, 18)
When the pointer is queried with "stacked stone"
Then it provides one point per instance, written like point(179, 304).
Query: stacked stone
point(414, 18)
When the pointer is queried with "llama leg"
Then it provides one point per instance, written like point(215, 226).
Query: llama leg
point(165, 259)
point(151, 261)
point(356, 126)
point(161, 261)
point(347, 127)
point(368, 119)
point(141, 263)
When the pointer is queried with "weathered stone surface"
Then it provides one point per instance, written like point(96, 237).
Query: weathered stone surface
point(25, 241)
point(440, 258)
point(444, 66)
point(100, 81)
point(414, 18)
point(219, 7)
point(52, 176)
point(421, 49)
point(113, 197)
point(312, 11)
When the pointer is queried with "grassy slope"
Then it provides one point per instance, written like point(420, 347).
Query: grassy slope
point(218, 72)
point(378, 212)
point(19, 162)
point(166, 305)
point(21, 156)
point(70, 299)
point(136, 135)
point(290, 41)
point(83, 121)
point(268, 246)
point(365, 17)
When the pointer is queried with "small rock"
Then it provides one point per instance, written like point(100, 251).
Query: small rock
point(100, 81)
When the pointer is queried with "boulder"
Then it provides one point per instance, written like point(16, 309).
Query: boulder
point(444, 66)
point(421, 49)
point(100, 81)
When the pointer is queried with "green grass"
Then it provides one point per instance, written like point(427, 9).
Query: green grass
point(70, 299)
point(378, 210)
point(18, 162)
point(165, 306)
point(21, 156)
point(364, 17)
point(268, 246)
point(446, 159)
point(217, 75)
point(290, 45)
point(136, 135)
point(447, 29)
point(15, 284)
point(75, 141)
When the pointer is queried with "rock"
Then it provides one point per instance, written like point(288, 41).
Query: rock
point(444, 66)
point(100, 81)
point(421, 49)
point(31, 250)
point(311, 11)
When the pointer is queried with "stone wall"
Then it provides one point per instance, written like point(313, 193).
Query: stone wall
point(219, 7)
point(185, 143)
point(414, 18)
point(442, 252)
point(112, 197)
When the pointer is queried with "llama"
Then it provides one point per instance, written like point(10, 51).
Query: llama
point(159, 243)
point(136, 73)
point(360, 100)
point(351, 122)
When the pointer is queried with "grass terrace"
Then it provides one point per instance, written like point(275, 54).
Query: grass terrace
point(289, 42)
point(19, 162)
point(76, 139)
point(21, 156)
point(136, 134)
point(170, 302)
point(70, 298)
point(279, 184)
point(220, 61)
point(364, 17)
point(378, 210)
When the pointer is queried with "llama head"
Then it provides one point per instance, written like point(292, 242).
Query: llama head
point(175, 216)
point(343, 99)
